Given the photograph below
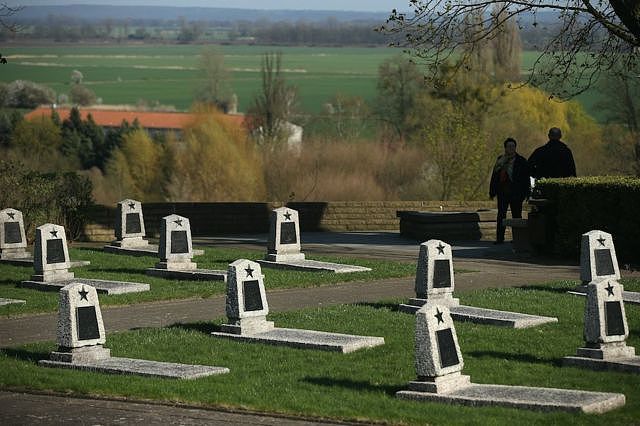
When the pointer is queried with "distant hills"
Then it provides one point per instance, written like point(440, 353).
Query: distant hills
point(167, 13)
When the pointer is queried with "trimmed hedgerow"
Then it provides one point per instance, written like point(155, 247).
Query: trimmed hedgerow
point(607, 203)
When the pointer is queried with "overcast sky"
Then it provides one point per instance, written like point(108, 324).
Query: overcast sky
point(358, 5)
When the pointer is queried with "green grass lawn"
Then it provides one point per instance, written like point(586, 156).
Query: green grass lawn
point(128, 268)
point(360, 385)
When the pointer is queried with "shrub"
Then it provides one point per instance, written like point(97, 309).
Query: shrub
point(607, 203)
point(60, 198)
point(27, 94)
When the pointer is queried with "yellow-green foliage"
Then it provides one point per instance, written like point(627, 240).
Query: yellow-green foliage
point(527, 114)
point(135, 169)
point(36, 143)
point(215, 162)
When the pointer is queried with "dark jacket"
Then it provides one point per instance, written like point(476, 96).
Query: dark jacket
point(519, 186)
point(552, 160)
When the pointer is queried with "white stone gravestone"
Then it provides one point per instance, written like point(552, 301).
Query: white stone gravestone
point(284, 236)
point(598, 257)
point(176, 252)
point(81, 336)
point(435, 283)
point(51, 254)
point(283, 246)
point(605, 331)
point(13, 242)
point(129, 227)
point(439, 366)
point(598, 261)
point(51, 266)
point(247, 309)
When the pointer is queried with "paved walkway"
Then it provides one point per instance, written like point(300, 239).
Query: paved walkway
point(488, 265)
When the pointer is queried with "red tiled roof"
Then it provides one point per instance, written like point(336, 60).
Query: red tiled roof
point(113, 118)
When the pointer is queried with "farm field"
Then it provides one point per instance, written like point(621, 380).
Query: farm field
point(168, 74)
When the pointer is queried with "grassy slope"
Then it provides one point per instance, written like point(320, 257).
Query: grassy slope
point(360, 385)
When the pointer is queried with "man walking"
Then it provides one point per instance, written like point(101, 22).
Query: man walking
point(553, 159)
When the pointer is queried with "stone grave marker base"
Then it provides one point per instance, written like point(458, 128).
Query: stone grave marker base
point(10, 301)
point(632, 297)
point(148, 250)
point(532, 398)
point(484, 316)
point(313, 266)
point(625, 365)
point(189, 274)
point(102, 286)
point(140, 367)
point(308, 339)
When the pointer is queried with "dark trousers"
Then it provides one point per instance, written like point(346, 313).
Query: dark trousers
point(505, 202)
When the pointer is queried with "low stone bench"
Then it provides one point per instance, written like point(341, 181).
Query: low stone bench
point(448, 226)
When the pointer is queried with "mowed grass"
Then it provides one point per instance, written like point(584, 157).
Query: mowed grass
point(168, 74)
point(108, 266)
point(360, 385)
point(124, 74)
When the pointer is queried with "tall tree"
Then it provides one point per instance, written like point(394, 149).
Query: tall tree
point(591, 36)
point(214, 89)
point(274, 105)
point(399, 82)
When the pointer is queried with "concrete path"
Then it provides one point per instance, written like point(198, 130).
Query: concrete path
point(488, 266)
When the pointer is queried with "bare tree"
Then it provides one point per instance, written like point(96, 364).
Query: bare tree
point(590, 36)
point(6, 12)
point(214, 88)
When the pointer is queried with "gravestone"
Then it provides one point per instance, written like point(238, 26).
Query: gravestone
point(435, 283)
point(13, 242)
point(439, 365)
point(176, 251)
point(81, 336)
point(434, 276)
point(605, 331)
point(247, 311)
point(284, 236)
point(51, 254)
point(51, 266)
point(598, 257)
point(283, 247)
point(129, 228)
point(247, 306)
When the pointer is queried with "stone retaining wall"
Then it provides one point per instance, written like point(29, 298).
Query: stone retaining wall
point(208, 219)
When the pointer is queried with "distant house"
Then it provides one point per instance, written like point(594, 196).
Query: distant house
point(153, 122)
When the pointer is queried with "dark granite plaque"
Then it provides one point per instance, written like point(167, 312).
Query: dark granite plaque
point(614, 324)
point(132, 225)
point(12, 233)
point(55, 251)
point(252, 298)
point(604, 263)
point(447, 348)
point(87, 323)
point(441, 273)
point(179, 242)
point(288, 233)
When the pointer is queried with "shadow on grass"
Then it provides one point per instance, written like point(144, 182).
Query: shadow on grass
point(15, 283)
point(547, 288)
point(202, 327)
point(393, 307)
point(358, 385)
point(526, 358)
point(24, 355)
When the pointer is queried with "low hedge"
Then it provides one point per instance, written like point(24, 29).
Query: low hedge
point(607, 203)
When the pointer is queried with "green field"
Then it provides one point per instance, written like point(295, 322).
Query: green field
point(124, 74)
